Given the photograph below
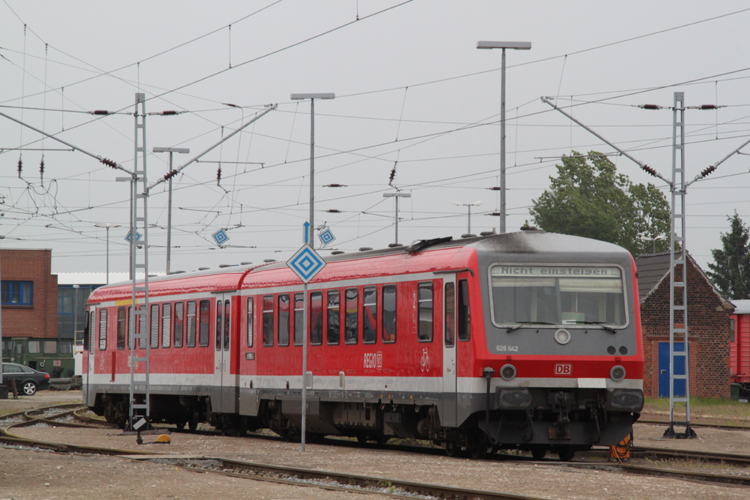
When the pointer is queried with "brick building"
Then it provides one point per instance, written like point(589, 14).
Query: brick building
point(709, 329)
point(29, 293)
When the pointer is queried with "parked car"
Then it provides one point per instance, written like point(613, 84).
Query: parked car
point(28, 380)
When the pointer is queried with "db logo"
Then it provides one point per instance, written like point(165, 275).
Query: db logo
point(563, 369)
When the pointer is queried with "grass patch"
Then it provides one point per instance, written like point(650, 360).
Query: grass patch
point(710, 409)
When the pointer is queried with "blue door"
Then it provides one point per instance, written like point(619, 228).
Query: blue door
point(679, 369)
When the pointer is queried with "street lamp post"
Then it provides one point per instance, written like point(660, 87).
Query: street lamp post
point(311, 242)
point(169, 209)
point(397, 195)
point(107, 226)
point(468, 205)
point(503, 46)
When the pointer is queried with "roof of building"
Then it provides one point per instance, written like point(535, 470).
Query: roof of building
point(94, 278)
point(741, 306)
point(654, 268)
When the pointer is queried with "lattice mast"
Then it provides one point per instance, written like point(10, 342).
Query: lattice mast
point(139, 262)
point(678, 303)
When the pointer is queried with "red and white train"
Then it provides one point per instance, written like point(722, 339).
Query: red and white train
point(527, 340)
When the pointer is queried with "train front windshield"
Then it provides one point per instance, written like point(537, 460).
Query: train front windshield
point(557, 295)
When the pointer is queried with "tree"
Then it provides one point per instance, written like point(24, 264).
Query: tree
point(731, 272)
point(589, 198)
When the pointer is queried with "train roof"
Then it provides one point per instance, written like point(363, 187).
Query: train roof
point(438, 254)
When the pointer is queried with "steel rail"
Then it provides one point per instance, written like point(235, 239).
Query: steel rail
point(333, 480)
point(724, 427)
point(707, 456)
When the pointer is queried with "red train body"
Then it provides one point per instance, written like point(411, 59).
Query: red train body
point(526, 340)
point(740, 348)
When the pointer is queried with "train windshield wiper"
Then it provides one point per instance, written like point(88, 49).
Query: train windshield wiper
point(600, 323)
point(526, 323)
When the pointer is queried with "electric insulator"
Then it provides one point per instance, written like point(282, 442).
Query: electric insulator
point(20, 166)
point(648, 169)
point(708, 171)
point(169, 175)
point(101, 112)
point(708, 106)
point(649, 106)
point(169, 113)
point(109, 162)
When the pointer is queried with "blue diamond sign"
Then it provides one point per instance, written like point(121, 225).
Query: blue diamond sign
point(326, 236)
point(138, 236)
point(220, 237)
point(306, 263)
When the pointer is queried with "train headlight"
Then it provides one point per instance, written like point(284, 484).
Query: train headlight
point(562, 336)
point(508, 372)
point(617, 373)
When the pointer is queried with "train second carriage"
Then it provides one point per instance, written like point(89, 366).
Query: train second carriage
point(527, 340)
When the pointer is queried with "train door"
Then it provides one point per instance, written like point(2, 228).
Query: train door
point(448, 416)
point(222, 399)
point(91, 330)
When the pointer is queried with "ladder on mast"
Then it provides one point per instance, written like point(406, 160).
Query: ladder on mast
point(678, 303)
point(139, 263)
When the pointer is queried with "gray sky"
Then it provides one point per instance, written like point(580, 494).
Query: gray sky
point(411, 90)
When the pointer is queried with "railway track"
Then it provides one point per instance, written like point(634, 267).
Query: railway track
point(349, 482)
point(723, 427)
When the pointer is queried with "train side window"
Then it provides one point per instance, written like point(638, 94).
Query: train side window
point(34, 347)
point(464, 313)
point(389, 314)
point(249, 321)
point(154, 326)
point(219, 316)
point(121, 327)
point(142, 327)
point(179, 323)
point(227, 324)
point(450, 314)
point(299, 311)
point(316, 318)
point(351, 317)
point(102, 330)
point(166, 324)
point(369, 315)
point(424, 312)
point(131, 327)
point(284, 319)
point(333, 326)
point(732, 328)
point(89, 331)
point(205, 322)
point(191, 323)
point(268, 321)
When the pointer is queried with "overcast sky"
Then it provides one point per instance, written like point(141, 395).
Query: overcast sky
point(412, 92)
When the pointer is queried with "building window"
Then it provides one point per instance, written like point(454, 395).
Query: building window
point(18, 293)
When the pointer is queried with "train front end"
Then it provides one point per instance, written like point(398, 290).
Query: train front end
point(561, 361)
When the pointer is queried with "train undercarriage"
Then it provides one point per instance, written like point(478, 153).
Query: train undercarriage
point(542, 421)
